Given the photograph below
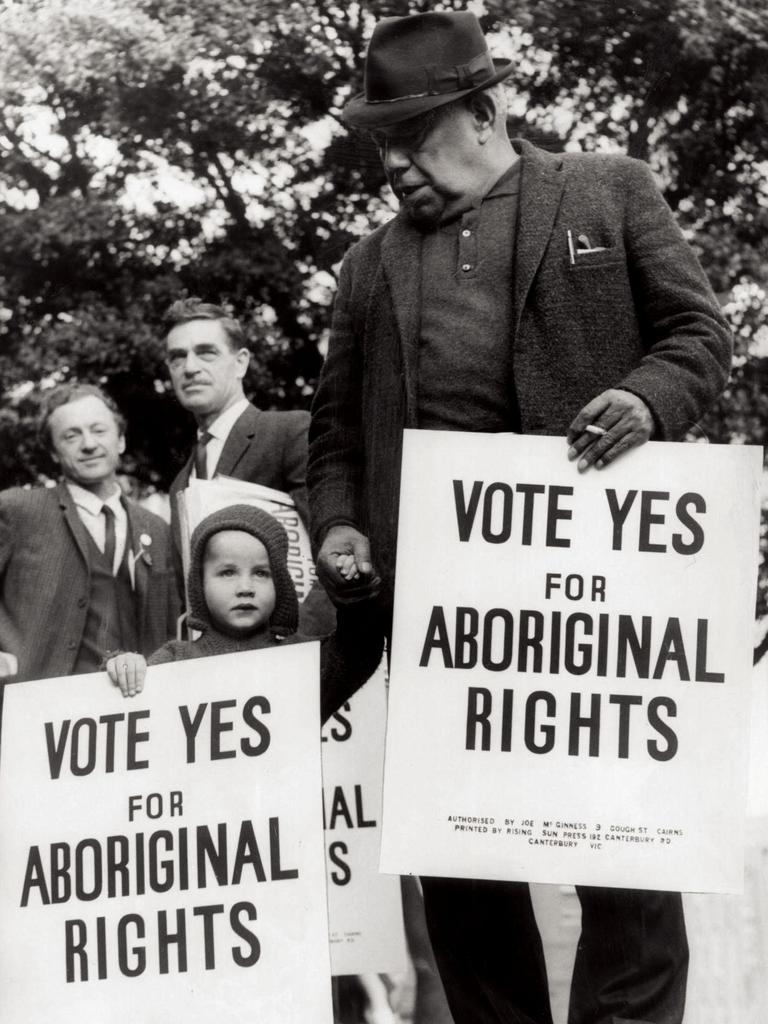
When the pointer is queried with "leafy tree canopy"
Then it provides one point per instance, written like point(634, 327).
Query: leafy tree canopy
point(148, 149)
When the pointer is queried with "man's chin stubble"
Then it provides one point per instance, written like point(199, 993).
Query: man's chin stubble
point(425, 215)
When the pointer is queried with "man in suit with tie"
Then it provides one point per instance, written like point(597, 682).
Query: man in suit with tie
point(207, 357)
point(523, 291)
point(83, 570)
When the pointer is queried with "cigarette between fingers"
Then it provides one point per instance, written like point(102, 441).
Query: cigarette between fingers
point(591, 428)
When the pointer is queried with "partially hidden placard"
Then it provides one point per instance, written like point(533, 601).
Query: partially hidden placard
point(364, 907)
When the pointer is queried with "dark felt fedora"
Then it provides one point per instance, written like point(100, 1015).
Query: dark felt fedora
point(420, 62)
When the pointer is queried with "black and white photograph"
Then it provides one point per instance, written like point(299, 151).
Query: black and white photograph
point(384, 512)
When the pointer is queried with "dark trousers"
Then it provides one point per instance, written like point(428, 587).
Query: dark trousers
point(631, 963)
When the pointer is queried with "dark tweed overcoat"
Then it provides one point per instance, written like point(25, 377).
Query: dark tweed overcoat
point(44, 579)
point(639, 315)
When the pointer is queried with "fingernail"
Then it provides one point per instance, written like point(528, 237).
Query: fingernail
point(583, 465)
point(599, 464)
point(572, 453)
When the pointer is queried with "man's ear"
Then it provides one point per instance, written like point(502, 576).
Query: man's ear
point(484, 114)
point(121, 444)
point(243, 357)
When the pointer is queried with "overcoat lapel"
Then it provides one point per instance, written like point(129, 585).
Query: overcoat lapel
point(238, 441)
point(186, 472)
point(541, 187)
point(401, 261)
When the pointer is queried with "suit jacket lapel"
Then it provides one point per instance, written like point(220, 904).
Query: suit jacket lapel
point(72, 519)
point(134, 553)
point(238, 441)
point(541, 186)
point(184, 474)
point(401, 261)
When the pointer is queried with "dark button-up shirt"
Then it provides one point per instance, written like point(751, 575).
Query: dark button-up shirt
point(465, 378)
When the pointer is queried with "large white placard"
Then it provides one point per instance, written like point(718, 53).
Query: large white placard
point(571, 663)
point(364, 907)
point(162, 858)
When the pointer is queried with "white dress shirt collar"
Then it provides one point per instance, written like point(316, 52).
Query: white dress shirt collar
point(219, 431)
point(92, 503)
point(224, 422)
point(89, 506)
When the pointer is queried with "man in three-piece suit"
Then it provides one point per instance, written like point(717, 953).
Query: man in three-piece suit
point(522, 291)
point(83, 570)
point(207, 357)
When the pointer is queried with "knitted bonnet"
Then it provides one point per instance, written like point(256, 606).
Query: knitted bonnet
point(264, 527)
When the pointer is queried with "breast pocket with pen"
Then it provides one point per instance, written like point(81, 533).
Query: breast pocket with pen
point(597, 277)
point(582, 254)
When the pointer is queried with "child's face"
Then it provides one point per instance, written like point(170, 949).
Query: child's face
point(237, 582)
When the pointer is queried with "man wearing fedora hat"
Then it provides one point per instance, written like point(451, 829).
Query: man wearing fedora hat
point(515, 290)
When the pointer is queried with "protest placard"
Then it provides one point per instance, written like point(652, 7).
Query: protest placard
point(571, 663)
point(163, 858)
point(364, 907)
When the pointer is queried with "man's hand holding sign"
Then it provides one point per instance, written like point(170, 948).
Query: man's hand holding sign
point(614, 422)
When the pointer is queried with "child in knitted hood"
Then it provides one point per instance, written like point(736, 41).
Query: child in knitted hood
point(242, 598)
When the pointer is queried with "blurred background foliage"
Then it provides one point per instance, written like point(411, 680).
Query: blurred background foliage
point(150, 148)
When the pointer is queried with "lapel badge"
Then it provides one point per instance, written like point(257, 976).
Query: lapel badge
point(143, 553)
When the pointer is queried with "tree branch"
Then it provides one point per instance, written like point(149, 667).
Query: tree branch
point(35, 177)
point(210, 166)
point(761, 650)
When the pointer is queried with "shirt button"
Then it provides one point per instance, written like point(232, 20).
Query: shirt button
point(466, 233)
point(466, 266)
